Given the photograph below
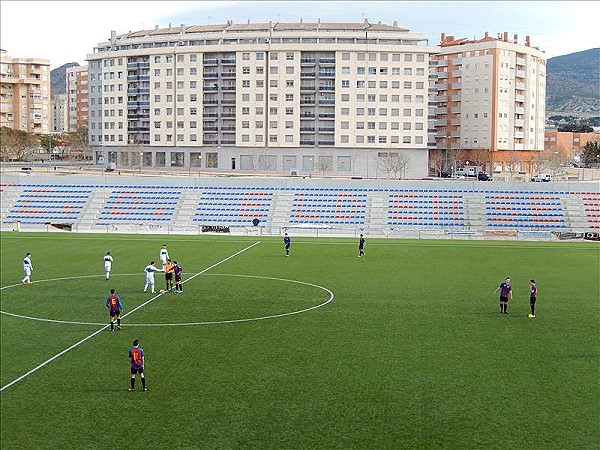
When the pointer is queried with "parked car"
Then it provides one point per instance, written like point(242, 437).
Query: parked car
point(482, 176)
point(540, 177)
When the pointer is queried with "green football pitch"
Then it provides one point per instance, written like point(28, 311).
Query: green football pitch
point(403, 348)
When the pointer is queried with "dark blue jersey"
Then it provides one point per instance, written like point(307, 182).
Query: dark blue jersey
point(287, 240)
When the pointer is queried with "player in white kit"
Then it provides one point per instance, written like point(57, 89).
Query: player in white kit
point(107, 264)
point(163, 254)
point(27, 268)
point(149, 270)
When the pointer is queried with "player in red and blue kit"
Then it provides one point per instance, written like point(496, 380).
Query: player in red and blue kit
point(287, 241)
point(136, 359)
point(532, 296)
point(178, 271)
point(505, 291)
point(113, 303)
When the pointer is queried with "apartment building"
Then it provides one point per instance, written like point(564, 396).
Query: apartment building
point(489, 97)
point(77, 98)
point(25, 93)
point(568, 145)
point(347, 98)
point(59, 113)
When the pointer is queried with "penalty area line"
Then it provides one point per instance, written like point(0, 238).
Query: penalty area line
point(77, 344)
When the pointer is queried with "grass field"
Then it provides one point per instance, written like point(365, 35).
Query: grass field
point(411, 352)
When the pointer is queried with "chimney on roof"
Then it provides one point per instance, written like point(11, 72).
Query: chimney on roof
point(379, 23)
point(366, 22)
point(156, 27)
point(182, 26)
point(443, 37)
point(527, 43)
point(486, 35)
point(505, 39)
point(395, 23)
point(516, 39)
point(248, 21)
point(169, 25)
point(319, 20)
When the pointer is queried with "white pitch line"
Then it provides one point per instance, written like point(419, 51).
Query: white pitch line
point(214, 322)
point(35, 369)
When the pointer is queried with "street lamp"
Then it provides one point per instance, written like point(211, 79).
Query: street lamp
point(141, 158)
point(368, 163)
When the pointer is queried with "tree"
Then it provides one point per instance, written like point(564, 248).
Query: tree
point(481, 157)
point(15, 145)
point(591, 153)
point(436, 162)
point(576, 128)
point(78, 146)
point(393, 163)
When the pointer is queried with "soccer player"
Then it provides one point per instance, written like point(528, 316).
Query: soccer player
point(163, 255)
point(169, 268)
point(178, 271)
point(532, 297)
point(136, 358)
point(287, 241)
point(107, 264)
point(113, 303)
point(361, 246)
point(505, 292)
point(27, 268)
point(149, 271)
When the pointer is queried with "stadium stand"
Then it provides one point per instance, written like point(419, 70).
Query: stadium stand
point(375, 207)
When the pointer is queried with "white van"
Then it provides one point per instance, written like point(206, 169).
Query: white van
point(541, 177)
point(468, 171)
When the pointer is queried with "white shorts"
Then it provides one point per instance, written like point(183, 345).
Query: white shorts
point(163, 261)
point(107, 267)
point(150, 278)
point(27, 271)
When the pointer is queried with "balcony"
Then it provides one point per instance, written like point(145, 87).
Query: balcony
point(455, 110)
point(326, 142)
point(227, 114)
point(326, 129)
point(457, 73)
point(441, 98)
point(519, 98)
point(520, 61)
point(441, 122)
point(209, 141)
point(326, 74)
point(228, 101)
point(139, 129)
point(519, 110)
point(519, 123)
point(307, 101)
point(520, 86)
point(210, 116)
point(306, 142)
point(228, 61)
point(441, 62)
point(455, 122)
point(210, 88)
point(519, 135)
point(138, 77)
point(308, 87)
point(137, 91)
point(138, 65)
point(326, 101)
point(307, 74)
point(210, 75)
point(226, 129)
point(230, 74)
point(441, 75)
point(457, 61)
point(228, 88)
point(210, 62)
point(308, 61)
point(520, 73)
point(441, 86)
point(307, 114)
point(326, 60)
point(441, 110)
point(210, 129)
point(456, 98)
point(328, 116)
point(327, 88)
point(307, 130)
point(209, 101)
point(136, 104)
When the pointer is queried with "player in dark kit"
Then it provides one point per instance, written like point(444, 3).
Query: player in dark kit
point(178, 271)
point(505, 291)
point(361, 246)
point(136, 358)
point(532, 297)
point(113, 303)
point(287, 241)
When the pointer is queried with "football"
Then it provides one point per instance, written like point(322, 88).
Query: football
point(162, 291)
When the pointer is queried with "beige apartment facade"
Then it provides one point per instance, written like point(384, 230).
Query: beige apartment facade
point(25, 93)
point(77, 98)
point(489, 97)
point(335, 98)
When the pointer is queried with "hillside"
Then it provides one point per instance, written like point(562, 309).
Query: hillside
point(573, 83)
point(58, 78)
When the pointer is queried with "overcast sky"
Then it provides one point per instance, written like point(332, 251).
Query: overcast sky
point(66, 31)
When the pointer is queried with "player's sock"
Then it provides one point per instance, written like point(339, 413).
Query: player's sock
point(112, 326)
point(133, 383)
point(119, 323)
point(532, 310)
point(143, 383)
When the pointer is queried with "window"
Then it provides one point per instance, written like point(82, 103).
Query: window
point(272, 138)
point(260, 70)
point(289, 83)
point(382, 139)
point(245, 70)
point(289, 97)
point(246, 56)
point(345, 56)
point(345, 97)
point(273, 70)
point(406, 112)
point(345, 111)
point(360, 71)
point(406, 126)
point(408, 57)
point(289, 56)
point(345, 125)
point(360, 125)
point(245, 97)
point(289, 138)
point(289, 70)
point(260, 56)
point(383, 125)
point(273, 97)
point(273, 111)
point(289, 124)
point(273, 83)
point(289, 111)
point(180, 71)
point(360, 84)
point(212, 160)
point(407, 71)
point(370, 125)
point(406, 139)
point(246, 83)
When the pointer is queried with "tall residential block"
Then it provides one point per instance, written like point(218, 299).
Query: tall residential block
point(77, 98)
point(349, 98)
point(59, 113)
point(489, 95)
point(25, 93)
